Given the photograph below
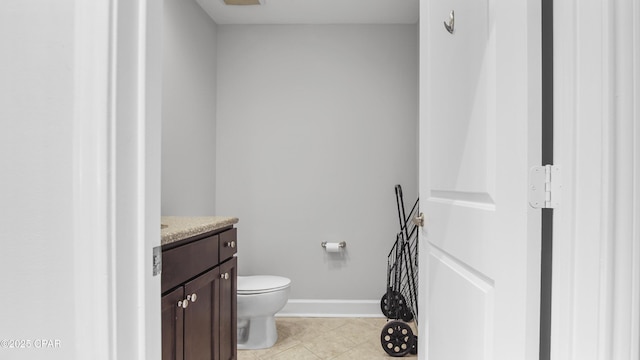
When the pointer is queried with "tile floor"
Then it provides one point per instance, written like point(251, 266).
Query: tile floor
point(325, 338)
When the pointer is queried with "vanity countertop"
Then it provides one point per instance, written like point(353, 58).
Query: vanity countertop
point(182, 227)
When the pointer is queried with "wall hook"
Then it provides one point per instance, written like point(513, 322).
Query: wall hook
point(451, 25)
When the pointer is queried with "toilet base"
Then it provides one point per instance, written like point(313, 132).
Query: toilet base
point(257, 333)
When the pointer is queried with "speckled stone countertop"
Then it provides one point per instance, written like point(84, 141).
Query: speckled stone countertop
point(182, 227)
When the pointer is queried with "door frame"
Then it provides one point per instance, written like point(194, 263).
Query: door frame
point(116, 178)
point(596, 229)
point(594, 43)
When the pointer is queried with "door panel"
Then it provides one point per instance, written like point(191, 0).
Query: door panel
point(466, 130)
point(479, 135)
point(462, 299)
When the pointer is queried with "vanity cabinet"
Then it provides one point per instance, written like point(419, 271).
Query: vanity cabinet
point(199, 298)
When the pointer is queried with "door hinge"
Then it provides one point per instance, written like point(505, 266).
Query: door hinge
point(545, 187)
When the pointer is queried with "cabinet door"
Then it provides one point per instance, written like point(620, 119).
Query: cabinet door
point(228, 310)
point(201, 317)
point(172, 329)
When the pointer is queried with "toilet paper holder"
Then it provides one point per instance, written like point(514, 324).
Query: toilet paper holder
point(341, 244)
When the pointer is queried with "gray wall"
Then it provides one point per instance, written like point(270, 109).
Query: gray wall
point(36, 186)
point(188, 110)
point(315, 126)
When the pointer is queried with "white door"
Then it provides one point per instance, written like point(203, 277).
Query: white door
point(480, 119)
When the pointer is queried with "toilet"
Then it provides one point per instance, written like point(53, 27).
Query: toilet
point(260, 297)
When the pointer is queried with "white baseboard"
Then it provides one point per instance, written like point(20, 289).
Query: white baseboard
point(331, 308)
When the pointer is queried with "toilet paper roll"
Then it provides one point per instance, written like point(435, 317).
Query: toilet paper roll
point(333, 247)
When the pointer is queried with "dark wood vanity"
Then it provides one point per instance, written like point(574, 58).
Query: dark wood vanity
point(199, 296)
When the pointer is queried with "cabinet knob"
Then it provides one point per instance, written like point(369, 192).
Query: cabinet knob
point(224, 276)
point(231, 244)
point(183, 303)
point(193, 297)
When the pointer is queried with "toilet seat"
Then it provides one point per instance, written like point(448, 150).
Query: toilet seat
point(260, 284)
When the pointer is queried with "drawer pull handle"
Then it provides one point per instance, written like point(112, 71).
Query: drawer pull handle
point(183, 303)
point(193, 297)
point(231, 244)
point(224, 276)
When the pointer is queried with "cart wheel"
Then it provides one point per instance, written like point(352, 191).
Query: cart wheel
point(387, 304)
point(397, 338)
point(393, 305)
point(405, 313)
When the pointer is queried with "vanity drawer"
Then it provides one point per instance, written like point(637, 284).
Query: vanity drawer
point(187, 261)
point(228, 244)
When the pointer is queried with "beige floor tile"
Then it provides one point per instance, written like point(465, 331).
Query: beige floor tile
point(247, 355)
point(279, 347)
point(330, 323)
point(302, 329)
point(359, 331)
point(365, 351)
point(329, 345)
point(325, 338)
point(298, 352)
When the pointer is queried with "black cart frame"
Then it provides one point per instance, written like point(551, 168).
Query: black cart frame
point(400, 302)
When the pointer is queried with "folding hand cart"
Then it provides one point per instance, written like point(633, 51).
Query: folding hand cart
point(400, 303)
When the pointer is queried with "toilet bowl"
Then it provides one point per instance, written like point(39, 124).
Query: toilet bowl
point(259, 299)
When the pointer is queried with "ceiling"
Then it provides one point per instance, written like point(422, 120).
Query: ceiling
point(314, 12)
